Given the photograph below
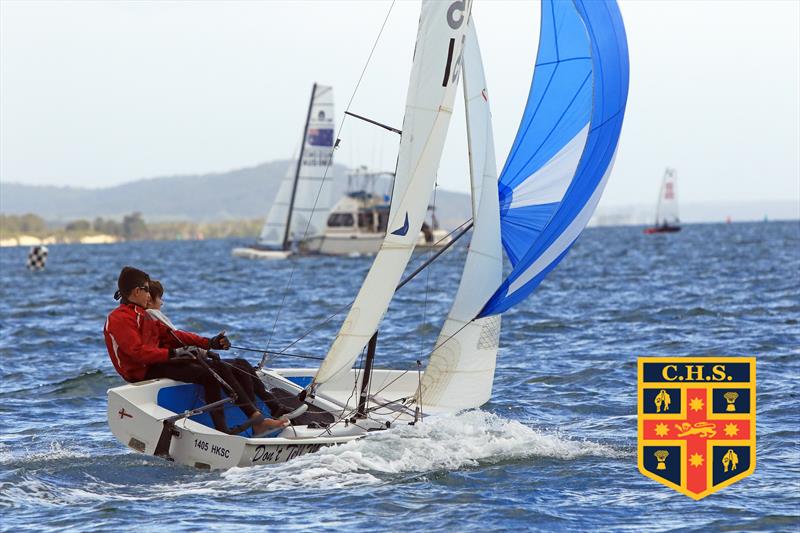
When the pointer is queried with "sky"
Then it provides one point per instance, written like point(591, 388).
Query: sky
point(95, 94)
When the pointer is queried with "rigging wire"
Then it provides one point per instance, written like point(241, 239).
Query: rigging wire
point(346, 416)
point(391, 382)
point(324, 177)
point(348, 304)
point(428, 273)
point(272, 352)
point(436, 347)
point(355, 381)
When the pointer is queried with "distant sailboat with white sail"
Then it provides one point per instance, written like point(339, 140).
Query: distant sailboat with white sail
point(549, 187)
point(667, 220)
point(306, 193)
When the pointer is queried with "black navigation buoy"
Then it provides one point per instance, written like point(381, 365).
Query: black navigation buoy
point(37, 258)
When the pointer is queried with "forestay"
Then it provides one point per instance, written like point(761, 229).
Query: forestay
point(305, 196)
point(461, 367)
point(429, 103)
point(667, 209)
point(565, 146)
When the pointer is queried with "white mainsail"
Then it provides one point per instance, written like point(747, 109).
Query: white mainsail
point(274, 228)
point(667, 209)
point(305, 195)
point(429, 104)
point(461, 368)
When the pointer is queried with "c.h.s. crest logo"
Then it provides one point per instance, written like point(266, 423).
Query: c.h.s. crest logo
point(697, 421)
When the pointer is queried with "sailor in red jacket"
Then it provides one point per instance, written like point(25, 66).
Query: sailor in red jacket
point(143, 348)
point(136, 342)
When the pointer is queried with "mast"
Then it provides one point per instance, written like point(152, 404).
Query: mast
point(297, 172)
point(661, 197)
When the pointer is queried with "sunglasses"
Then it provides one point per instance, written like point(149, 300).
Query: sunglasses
point(144, 288)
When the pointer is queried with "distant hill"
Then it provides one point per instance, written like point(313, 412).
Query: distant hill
point(239, 194)
point(247, 193)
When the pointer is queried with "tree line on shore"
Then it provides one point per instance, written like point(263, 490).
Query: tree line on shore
point(132, 227)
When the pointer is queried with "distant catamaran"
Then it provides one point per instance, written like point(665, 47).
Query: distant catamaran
point(667, 220)
point(550, 185)
point(305, 196)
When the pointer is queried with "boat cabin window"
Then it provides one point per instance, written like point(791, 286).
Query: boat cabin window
point(340, 220)
point(366, 220)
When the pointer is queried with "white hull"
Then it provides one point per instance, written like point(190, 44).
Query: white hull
point(346, 244)
point(355, 243)
point(341, 244)
point(255, 253)
point(136, 414)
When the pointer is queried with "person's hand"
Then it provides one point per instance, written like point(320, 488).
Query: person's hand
point(219, 341)
point(186, 352)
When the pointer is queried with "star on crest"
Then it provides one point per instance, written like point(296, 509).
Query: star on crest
point(661, 429)
point(696, 459)
point(731, 429)
point(696, 404)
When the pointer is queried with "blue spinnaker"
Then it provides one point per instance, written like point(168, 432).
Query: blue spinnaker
point(565, 145)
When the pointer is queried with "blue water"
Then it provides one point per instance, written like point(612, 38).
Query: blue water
point(554, 449)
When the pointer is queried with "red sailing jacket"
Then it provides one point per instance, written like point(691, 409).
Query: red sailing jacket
point(135, 341)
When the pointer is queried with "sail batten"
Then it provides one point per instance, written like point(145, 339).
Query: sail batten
point(563, 153)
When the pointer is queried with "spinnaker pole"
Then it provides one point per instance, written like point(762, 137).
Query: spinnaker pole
point(432, 258)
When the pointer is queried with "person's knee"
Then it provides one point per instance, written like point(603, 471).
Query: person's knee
point(224, 370)
point(242, 363)
point(196, 376)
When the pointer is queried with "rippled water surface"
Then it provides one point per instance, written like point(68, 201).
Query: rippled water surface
point(554, 449)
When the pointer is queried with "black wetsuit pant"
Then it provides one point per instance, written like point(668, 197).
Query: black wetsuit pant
point(191, 371)
point(279, 401)
point(252, 385)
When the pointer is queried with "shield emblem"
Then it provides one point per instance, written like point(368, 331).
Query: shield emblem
point(697, 421)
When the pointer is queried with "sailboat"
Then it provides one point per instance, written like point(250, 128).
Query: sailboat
point(305, 195)
point(545, 195)
point(667, 220)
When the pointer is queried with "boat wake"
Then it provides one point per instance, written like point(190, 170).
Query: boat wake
point(448, 443)
point(403, 454)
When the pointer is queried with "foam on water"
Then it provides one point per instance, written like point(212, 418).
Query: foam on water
point(5, 453)
point(448, 443)
point(56, 451)
point(439, 443)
